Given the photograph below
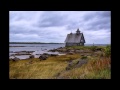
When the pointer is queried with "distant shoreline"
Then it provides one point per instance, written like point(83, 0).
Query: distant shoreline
point(32, 43)
point(47, 43)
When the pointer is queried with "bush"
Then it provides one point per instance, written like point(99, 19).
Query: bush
point(93, 48)
point(84, 57)
point(107, 51)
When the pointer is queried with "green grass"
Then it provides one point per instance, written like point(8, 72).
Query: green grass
point(85, 47)
point(107, 51)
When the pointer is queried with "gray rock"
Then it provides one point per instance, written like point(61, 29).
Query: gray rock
point(45, 54)
point(78, 51)
point(80, 63)
point(43, 57)
point(15, 59)
point(71, 50)
point(31, 56)
point(12, 55)
point(54, 54)
point(88, 54)
point(70, 53)
point(53, 50)
point(37, 54)
point(60, 47)
point(23, 52)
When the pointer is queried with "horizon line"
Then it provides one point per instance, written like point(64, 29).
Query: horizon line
point(54, 42)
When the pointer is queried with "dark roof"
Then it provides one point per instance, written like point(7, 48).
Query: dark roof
point(73, 38)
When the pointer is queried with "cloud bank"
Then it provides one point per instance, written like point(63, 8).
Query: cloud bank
point(53, 26)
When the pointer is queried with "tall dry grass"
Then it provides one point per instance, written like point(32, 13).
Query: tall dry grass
point(94, 69)
point(46, 69)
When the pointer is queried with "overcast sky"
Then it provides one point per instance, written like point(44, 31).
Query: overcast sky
point(53, 26)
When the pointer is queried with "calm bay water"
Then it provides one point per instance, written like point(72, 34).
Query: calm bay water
point(34, 47)
point(38, 48)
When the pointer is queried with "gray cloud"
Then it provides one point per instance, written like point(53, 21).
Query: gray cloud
point(53, 26)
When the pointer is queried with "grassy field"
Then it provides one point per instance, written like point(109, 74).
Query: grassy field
point(96, 68)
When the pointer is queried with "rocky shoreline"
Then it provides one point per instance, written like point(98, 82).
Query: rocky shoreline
point(61, 50)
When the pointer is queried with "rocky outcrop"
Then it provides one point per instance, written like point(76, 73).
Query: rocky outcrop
point(15, 59)
point(58, 50)
point(37, 54)
point(78, 51)
point(53, 54)
point(80, 63)
point(70, 53)
point(43, 57)
point(77, 64)
point(31, 56)
point(23, 53)
point(65, 50)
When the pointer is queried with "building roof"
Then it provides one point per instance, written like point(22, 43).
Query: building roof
point(73, 38)
point(78, 30)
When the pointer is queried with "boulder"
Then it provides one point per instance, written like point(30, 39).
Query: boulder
point(82, 54)
point(81, 62)
point(60, 47)
point(88, 54)
point(70, 53)
point(71, 50)
point(30, 51)
point(67, 50)
point(23, 52)
point(31, 56)
point(45, 54)
point(43, 57)
point(64, 50)
point(15, 59)
point(12, 55)
point(78, 51)
point(58, 50)
point(37, 54)
point(53, 50)
point(54, 54)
